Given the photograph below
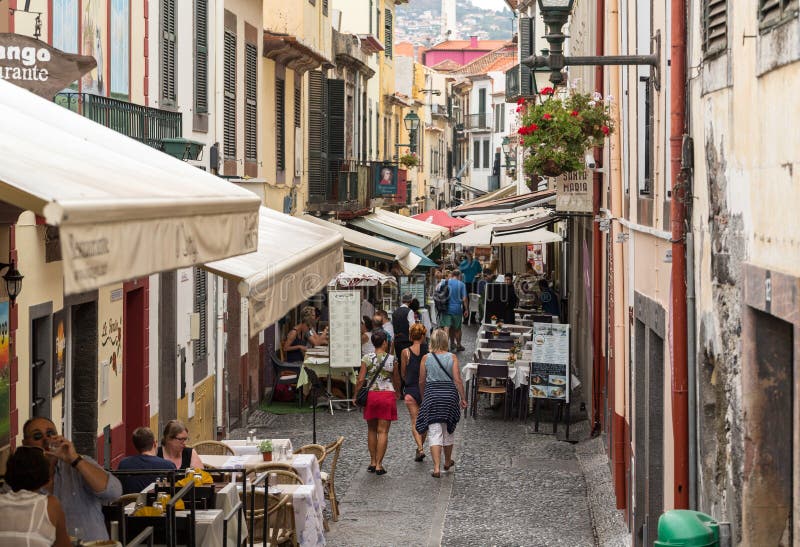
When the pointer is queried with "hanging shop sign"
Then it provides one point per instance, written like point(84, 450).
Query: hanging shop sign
point(36, 66)
point(386, 180)
point(573, 191)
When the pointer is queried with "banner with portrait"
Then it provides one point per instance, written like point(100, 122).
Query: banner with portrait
point(385, 180)
point(59, 351)
point(5, 375)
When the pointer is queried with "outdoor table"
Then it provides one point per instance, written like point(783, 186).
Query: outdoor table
point(518, 374)
point(242, 447)
point(321, 365)
point(308, 519)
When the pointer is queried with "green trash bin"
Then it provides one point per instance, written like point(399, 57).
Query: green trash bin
point(682, 528)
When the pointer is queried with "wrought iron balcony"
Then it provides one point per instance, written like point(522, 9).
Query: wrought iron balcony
point(478, 122)
point(148, 125)
point(347, 189)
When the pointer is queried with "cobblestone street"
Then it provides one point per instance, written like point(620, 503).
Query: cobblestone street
point(509, 486)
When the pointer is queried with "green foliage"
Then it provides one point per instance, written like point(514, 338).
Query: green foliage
point(409, 160)
point(265, 446)
point(556, 132)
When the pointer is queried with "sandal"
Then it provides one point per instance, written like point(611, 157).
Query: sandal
point(371, 468)
point(436, 475)
point(380, 471)
point(420, 455)
point(448, 465)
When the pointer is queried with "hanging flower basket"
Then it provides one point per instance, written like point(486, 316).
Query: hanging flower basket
point(556, 131)
point(409, 160)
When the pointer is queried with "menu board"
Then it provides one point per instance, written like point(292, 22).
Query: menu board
point(413, 285)
point(550, 368)
point(344, 310)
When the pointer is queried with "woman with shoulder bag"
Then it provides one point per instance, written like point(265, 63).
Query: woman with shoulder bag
point(443, 397)
point(381, 377)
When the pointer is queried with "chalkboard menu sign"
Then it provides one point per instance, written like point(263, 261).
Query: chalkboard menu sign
point(550, 368)
point(345, 328)
point(413, 285)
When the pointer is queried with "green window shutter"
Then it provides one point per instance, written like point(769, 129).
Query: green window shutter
point(388, 33)
point(317, 137)
point(229, 91)
point(201, 56)
point(486, 153)
point(168, 53)
point(715, 26)
point(250, 102)
point(280, 125)
point(476, 154)
point(526, 30)
point(201, 308)
point(336, 145)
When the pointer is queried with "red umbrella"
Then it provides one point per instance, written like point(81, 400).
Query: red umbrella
point(441, 218)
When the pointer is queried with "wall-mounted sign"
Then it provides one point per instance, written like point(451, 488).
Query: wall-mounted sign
point(573, 191)
point(386, 180)
point(38, 67)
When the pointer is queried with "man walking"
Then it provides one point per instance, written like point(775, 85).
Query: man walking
point(402, 319)
point(145, 443)
point(79, 483)
point(457, 306)
point(470, 267)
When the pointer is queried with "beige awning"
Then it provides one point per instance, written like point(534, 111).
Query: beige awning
point(294, 261)
point(411, 225)
point(372, 246)
point(124, 209)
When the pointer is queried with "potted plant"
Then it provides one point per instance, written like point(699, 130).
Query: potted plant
point(494, 320)
point(556, 131)
point(265, 447)
point(409, 160)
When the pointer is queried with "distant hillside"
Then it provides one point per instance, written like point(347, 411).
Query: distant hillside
point(419, 22)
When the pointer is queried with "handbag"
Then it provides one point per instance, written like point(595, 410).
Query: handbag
point(363, 393)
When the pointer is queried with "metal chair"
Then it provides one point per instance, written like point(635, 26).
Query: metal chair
point(474, 307)
point(489, 372)
point(284, 373)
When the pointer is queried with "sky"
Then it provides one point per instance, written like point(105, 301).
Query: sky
point(490, 4)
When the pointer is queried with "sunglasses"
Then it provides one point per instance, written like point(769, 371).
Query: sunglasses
point(38, 435)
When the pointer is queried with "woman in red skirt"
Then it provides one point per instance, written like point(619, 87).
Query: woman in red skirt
point(381, 409)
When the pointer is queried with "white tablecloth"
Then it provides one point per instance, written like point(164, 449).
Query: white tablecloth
point(308, 470)
point(242, 447)
point(308, 519)
point(518, 374)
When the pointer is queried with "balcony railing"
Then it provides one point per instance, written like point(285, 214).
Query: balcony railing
point(145, 124)
point(478, 122)
point(439, 110)
point(347, 189)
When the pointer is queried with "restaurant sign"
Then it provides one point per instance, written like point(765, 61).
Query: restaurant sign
point(36, 66)
point(573, 191)
point(550, 374)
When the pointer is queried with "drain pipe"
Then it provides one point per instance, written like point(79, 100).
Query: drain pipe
point(678, 273)
point(597, 268)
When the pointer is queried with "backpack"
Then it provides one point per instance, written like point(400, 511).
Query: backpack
point(441, 296)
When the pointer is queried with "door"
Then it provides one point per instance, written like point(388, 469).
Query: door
point(41, 359)
point(135, 395)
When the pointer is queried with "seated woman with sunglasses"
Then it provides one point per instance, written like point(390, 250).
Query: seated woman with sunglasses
point(173, 447)
point(30, 519)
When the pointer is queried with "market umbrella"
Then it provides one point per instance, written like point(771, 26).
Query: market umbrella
point(473, 238)
point(356, 275)
point(525, 238)
point(441, 218)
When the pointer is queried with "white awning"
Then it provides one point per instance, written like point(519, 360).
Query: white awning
point(356, 275)
point(411, 225)
point(124, 210)
point(473, 238)
point(526, 238)
point(372, 246)
point(294, 261)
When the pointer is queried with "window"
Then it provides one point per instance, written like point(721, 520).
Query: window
point(317, 137)
point(486, 153)
point(280, 126)
point(476, 154)
point(324, 7)
point(715, 26)
point(336, 113)
point(250, 106)
point(772, 12)
point(201, 309)
point(387, 34)
point(298, 106)
point(201, 56)
point(168, 53)
point(229, 88)
point(645, 138)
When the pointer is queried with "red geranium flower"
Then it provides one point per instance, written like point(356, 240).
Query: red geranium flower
point(521, 100)
point(605, 129)
point(574, 113)
point(547, 91)
point(533, 127)
point(547, 117)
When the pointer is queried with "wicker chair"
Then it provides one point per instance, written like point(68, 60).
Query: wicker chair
point(279, 473)
point(280, 517)
point(317, 449)
point(328, 482)
point(213, 448)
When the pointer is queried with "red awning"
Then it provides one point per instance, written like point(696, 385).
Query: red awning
point(441, 218)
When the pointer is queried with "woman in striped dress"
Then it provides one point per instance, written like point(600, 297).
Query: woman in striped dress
point(443, 397)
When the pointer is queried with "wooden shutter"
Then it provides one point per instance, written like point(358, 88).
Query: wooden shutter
point(324, 7)
point(280, 124)
point(476, 154)
point(317, 137)
point(772, 12)
point(229, 88)
point(336, 119)
point(201, 309)
point(486, 153)
point(715, 26)
point(168, 52)
point(250, 102)
point(298, 107)
point(387, 33)
point(526, 43)
point(201, 56)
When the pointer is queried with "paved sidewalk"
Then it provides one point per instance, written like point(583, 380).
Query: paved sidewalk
point(509, 486)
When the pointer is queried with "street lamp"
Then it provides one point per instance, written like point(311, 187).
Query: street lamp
point(13, 280)
point(411, 121)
